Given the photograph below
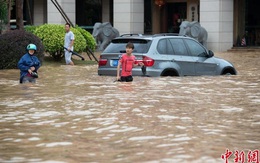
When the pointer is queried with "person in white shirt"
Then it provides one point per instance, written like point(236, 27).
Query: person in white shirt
point(68, 43)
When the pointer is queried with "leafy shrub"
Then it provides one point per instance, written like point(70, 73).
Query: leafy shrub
point(91, 43)
point(30, 28)
point(13, 46)
point(52, 36)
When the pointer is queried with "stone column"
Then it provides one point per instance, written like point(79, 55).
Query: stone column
point(217, 18)
point(129, 16)
point(54, 16)
point(105, 11)
point(40, 16)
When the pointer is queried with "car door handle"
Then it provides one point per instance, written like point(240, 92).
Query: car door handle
point(173, 60)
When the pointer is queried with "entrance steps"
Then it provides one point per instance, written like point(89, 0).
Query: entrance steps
point(245, 49)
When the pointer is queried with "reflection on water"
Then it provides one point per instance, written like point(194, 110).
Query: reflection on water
point(73, 115)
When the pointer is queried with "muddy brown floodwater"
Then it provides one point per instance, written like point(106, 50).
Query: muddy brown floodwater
point(73, 115)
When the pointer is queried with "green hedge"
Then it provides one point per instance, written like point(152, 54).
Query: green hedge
point(30, 28)
point(52, 36)
point(91, 43)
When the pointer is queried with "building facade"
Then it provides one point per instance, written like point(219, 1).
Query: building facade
point(227, 21)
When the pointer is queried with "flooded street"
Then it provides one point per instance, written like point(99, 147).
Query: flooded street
point(73, 115)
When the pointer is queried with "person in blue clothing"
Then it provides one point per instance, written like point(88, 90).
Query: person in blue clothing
point(28, 65)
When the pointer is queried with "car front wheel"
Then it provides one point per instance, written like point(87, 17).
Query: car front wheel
point(229, 71)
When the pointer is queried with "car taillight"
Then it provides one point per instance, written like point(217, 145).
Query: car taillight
point(148, 62)
point(138, 61)
point(102, 62)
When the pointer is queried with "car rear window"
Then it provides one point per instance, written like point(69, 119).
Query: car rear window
point(118, 45)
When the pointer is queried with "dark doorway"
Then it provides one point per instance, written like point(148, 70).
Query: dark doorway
point(252, 22)
point(111, 12)
point(147, 16)
point(88, 12)
point(176, 13)
point(246, 23)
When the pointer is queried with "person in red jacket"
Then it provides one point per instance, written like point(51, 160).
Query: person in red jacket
point(127, 62)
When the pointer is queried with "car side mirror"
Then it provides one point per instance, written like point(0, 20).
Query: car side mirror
point(211, 54)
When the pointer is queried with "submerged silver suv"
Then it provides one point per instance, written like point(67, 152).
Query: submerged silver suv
point(164, 55)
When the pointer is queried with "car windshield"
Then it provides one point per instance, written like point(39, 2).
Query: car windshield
point(118, 45)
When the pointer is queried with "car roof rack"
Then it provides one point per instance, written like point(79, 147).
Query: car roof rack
point(166, 34)
point(131, 34)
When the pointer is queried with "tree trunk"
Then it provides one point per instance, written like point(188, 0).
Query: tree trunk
point(19, 14)
point(9, 8)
